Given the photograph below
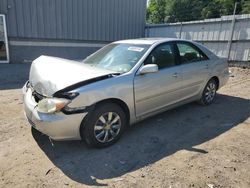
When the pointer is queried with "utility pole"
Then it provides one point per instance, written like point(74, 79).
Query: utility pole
point(180, 31)
point(232, 31)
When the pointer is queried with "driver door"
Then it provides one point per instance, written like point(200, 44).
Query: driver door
point(154, 91)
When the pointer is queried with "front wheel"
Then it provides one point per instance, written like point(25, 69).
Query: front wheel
point(104, 126)
point(209, 92)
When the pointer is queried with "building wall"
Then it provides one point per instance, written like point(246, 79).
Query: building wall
point(214, 33)
point(71, 21)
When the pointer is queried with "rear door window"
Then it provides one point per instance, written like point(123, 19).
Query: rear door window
point(189, 53)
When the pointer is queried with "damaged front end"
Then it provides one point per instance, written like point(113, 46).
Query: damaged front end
point(47, 105)
point(53, 92)
point(48, 75)
point(50, 95)
point(46, 115)
point(60, 99)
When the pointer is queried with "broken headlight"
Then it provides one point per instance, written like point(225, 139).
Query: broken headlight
point(51, 105)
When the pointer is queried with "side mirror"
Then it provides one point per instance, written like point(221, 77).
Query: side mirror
point(150, 68)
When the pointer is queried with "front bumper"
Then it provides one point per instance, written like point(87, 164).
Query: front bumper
point(57, 126)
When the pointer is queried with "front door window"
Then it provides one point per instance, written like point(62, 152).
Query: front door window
point(163, 56)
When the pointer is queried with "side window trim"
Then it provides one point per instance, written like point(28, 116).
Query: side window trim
point(193, 46)
point(177, 53)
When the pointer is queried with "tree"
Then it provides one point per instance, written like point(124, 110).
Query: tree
point(160, 11)
point(246, 7)
point(184, 10)
point(156, 11)
point(226, 6)
point(212, 10)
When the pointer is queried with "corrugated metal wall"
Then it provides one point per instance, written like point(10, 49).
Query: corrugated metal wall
point(214, 33)
point(69, 28)
point(91, 20)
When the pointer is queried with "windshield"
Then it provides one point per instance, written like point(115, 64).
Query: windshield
point(117, 57)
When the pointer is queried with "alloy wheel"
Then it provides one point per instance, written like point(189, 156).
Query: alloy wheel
point(107, 127)
point(210, 92)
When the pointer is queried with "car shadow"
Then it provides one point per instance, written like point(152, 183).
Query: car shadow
point(147, 142)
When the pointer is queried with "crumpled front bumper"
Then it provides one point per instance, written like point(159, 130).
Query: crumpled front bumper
point(57, 126)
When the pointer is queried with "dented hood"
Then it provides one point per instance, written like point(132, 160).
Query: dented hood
point(51, 74)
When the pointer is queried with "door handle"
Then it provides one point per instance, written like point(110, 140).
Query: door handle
point(175, 75)
point(206, 66)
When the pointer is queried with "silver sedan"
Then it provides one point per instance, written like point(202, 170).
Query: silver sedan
point(119, 85)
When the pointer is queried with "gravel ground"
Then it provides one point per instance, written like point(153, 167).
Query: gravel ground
point(191, 146)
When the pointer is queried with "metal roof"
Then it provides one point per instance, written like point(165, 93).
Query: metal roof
point(82, 20)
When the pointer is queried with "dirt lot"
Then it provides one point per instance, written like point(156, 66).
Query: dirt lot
point(191, 146)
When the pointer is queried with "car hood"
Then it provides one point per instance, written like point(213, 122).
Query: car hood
point(51, 74)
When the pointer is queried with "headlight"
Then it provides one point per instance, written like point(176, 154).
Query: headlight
point(51, 105)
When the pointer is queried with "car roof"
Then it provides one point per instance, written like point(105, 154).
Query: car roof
point(148, 41)
point(153, 41)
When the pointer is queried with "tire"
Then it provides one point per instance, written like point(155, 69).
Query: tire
point(104, 126)
point(209, 93)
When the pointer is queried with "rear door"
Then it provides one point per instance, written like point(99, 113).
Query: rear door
point(154, 91)
point(195, 69)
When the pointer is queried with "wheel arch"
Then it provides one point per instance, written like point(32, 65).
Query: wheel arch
point(116, 101)
point(216, 78)
point(120, 103)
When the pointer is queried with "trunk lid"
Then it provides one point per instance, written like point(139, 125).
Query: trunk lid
point(51, 74)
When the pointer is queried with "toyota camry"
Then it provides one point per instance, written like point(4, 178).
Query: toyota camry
point(117, 86)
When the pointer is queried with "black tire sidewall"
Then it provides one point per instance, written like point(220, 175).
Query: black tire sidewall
point(87, 126)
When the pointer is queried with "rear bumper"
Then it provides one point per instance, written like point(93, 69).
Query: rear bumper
point(57, 126)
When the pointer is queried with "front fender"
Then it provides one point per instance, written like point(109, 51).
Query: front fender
point(119, 87)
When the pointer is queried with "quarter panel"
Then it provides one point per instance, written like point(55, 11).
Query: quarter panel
point(219, 68)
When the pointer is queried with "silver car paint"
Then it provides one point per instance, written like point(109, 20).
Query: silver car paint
point(50, 74)
point(144, 95)
point(164, 90)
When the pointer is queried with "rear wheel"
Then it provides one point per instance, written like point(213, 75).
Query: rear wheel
point(209, 92)
point(104, 126)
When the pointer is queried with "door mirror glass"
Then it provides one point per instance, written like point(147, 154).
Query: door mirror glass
point(150, 68)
